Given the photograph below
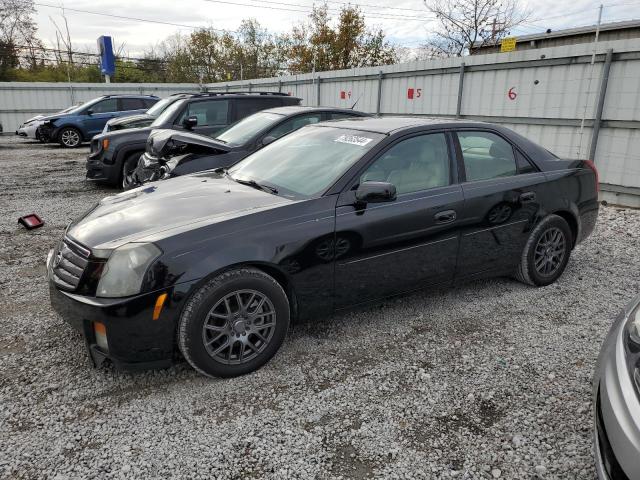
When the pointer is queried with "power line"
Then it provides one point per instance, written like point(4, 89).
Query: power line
point(384, 16)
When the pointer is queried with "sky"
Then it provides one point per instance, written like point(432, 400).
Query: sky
point(406, 22)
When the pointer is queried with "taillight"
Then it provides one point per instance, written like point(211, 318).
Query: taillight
point(592, 166)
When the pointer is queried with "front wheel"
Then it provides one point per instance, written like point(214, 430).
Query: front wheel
point(546, 254)
point(128, 169)
point(234, 324)
point(70, 137)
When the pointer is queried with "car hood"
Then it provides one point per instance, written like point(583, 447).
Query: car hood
point(119, 121)
point(165, 142)
point(161, 209)
point(47, 118)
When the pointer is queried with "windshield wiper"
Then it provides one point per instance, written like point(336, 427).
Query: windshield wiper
point(254, 184)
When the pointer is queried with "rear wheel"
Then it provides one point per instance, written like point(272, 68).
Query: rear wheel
point(234, 324)
point(70, 137)
point(547, 252)
point(128, 169)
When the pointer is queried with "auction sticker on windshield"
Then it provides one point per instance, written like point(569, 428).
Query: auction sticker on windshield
point(353, 140)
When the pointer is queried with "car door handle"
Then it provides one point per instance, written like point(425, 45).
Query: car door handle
point(447, 216)
point(527, 197)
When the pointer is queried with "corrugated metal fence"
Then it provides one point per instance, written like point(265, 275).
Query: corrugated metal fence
point(22, 100)
point(554, 96)
point(569, 100)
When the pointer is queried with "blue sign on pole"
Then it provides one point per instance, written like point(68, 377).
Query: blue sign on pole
point(107, 59)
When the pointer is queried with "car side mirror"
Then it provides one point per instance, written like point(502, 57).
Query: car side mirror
point(190, 122)
point(267, 140)
point(375, 192)
point(89, 112)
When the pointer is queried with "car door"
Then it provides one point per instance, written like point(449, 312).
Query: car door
point(97, 115)
point(212, 115)
point(387, 248)
point(502, 191)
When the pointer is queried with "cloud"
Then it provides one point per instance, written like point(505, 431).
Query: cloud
point(404, 22)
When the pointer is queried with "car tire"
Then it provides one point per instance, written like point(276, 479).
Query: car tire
point(70, 137)
point(127, 181)
point(235, 309)
point(546, 253)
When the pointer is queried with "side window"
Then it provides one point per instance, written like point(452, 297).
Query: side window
point(131, 104)
point(524, 166)
point(105, 106)
point(486, 155)
point(213, 112)
point(294, 124)
point(149, 102)
point(246, 106)
point(415, 164)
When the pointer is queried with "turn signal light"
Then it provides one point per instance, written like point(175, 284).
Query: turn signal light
point(105, 143)
point(100, 332)
point(158, 307)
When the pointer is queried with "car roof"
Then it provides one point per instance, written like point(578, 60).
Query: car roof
point(389, 125)
point(129, 95)
point(293, 109)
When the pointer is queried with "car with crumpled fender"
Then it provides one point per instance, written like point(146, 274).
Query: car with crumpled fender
point(214, 266)
point(171, 153)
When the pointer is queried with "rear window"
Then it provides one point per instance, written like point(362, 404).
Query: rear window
point(248, 106)
point(131, 104)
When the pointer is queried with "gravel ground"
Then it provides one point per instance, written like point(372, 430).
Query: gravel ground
point(487, 380)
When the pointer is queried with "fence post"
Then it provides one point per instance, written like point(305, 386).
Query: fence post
point(380, 74)
point(318, 93)
point(597, 122)
point(279, 86)
point(249, 87)
point(460, 86)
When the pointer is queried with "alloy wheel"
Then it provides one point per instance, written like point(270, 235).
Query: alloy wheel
point(239, 327)
point(550, 251)
point(70, 138)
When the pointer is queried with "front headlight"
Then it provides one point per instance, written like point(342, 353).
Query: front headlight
point(124, 272)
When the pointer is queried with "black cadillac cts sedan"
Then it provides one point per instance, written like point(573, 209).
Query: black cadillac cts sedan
point(215, 265)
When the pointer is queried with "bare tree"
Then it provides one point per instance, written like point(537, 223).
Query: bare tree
point(463, 24)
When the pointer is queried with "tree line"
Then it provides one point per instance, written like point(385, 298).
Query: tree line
point(207, 55)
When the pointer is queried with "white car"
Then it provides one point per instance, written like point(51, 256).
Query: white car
point(29, 129)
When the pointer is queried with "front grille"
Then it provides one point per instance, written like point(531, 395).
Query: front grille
point(69, 262)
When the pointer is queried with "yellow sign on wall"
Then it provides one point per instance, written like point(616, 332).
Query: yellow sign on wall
point(508, 44)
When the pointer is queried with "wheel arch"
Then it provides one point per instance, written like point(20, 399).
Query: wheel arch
point(572, 219)
point(274, 271)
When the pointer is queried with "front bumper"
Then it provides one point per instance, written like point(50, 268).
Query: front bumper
point(135, 340)
point(616, 409)
point(101, 164)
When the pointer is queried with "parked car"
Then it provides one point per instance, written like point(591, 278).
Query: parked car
point(337, 214)
point(29, 128)
point(171, 153)
point(143, 119)
point(616, 399)
point(114, 155)
point(79, 125)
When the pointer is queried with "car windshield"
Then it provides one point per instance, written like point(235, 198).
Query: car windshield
point(242, 131)
point(307, 162)
point(160, 106)
point(168, 114)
